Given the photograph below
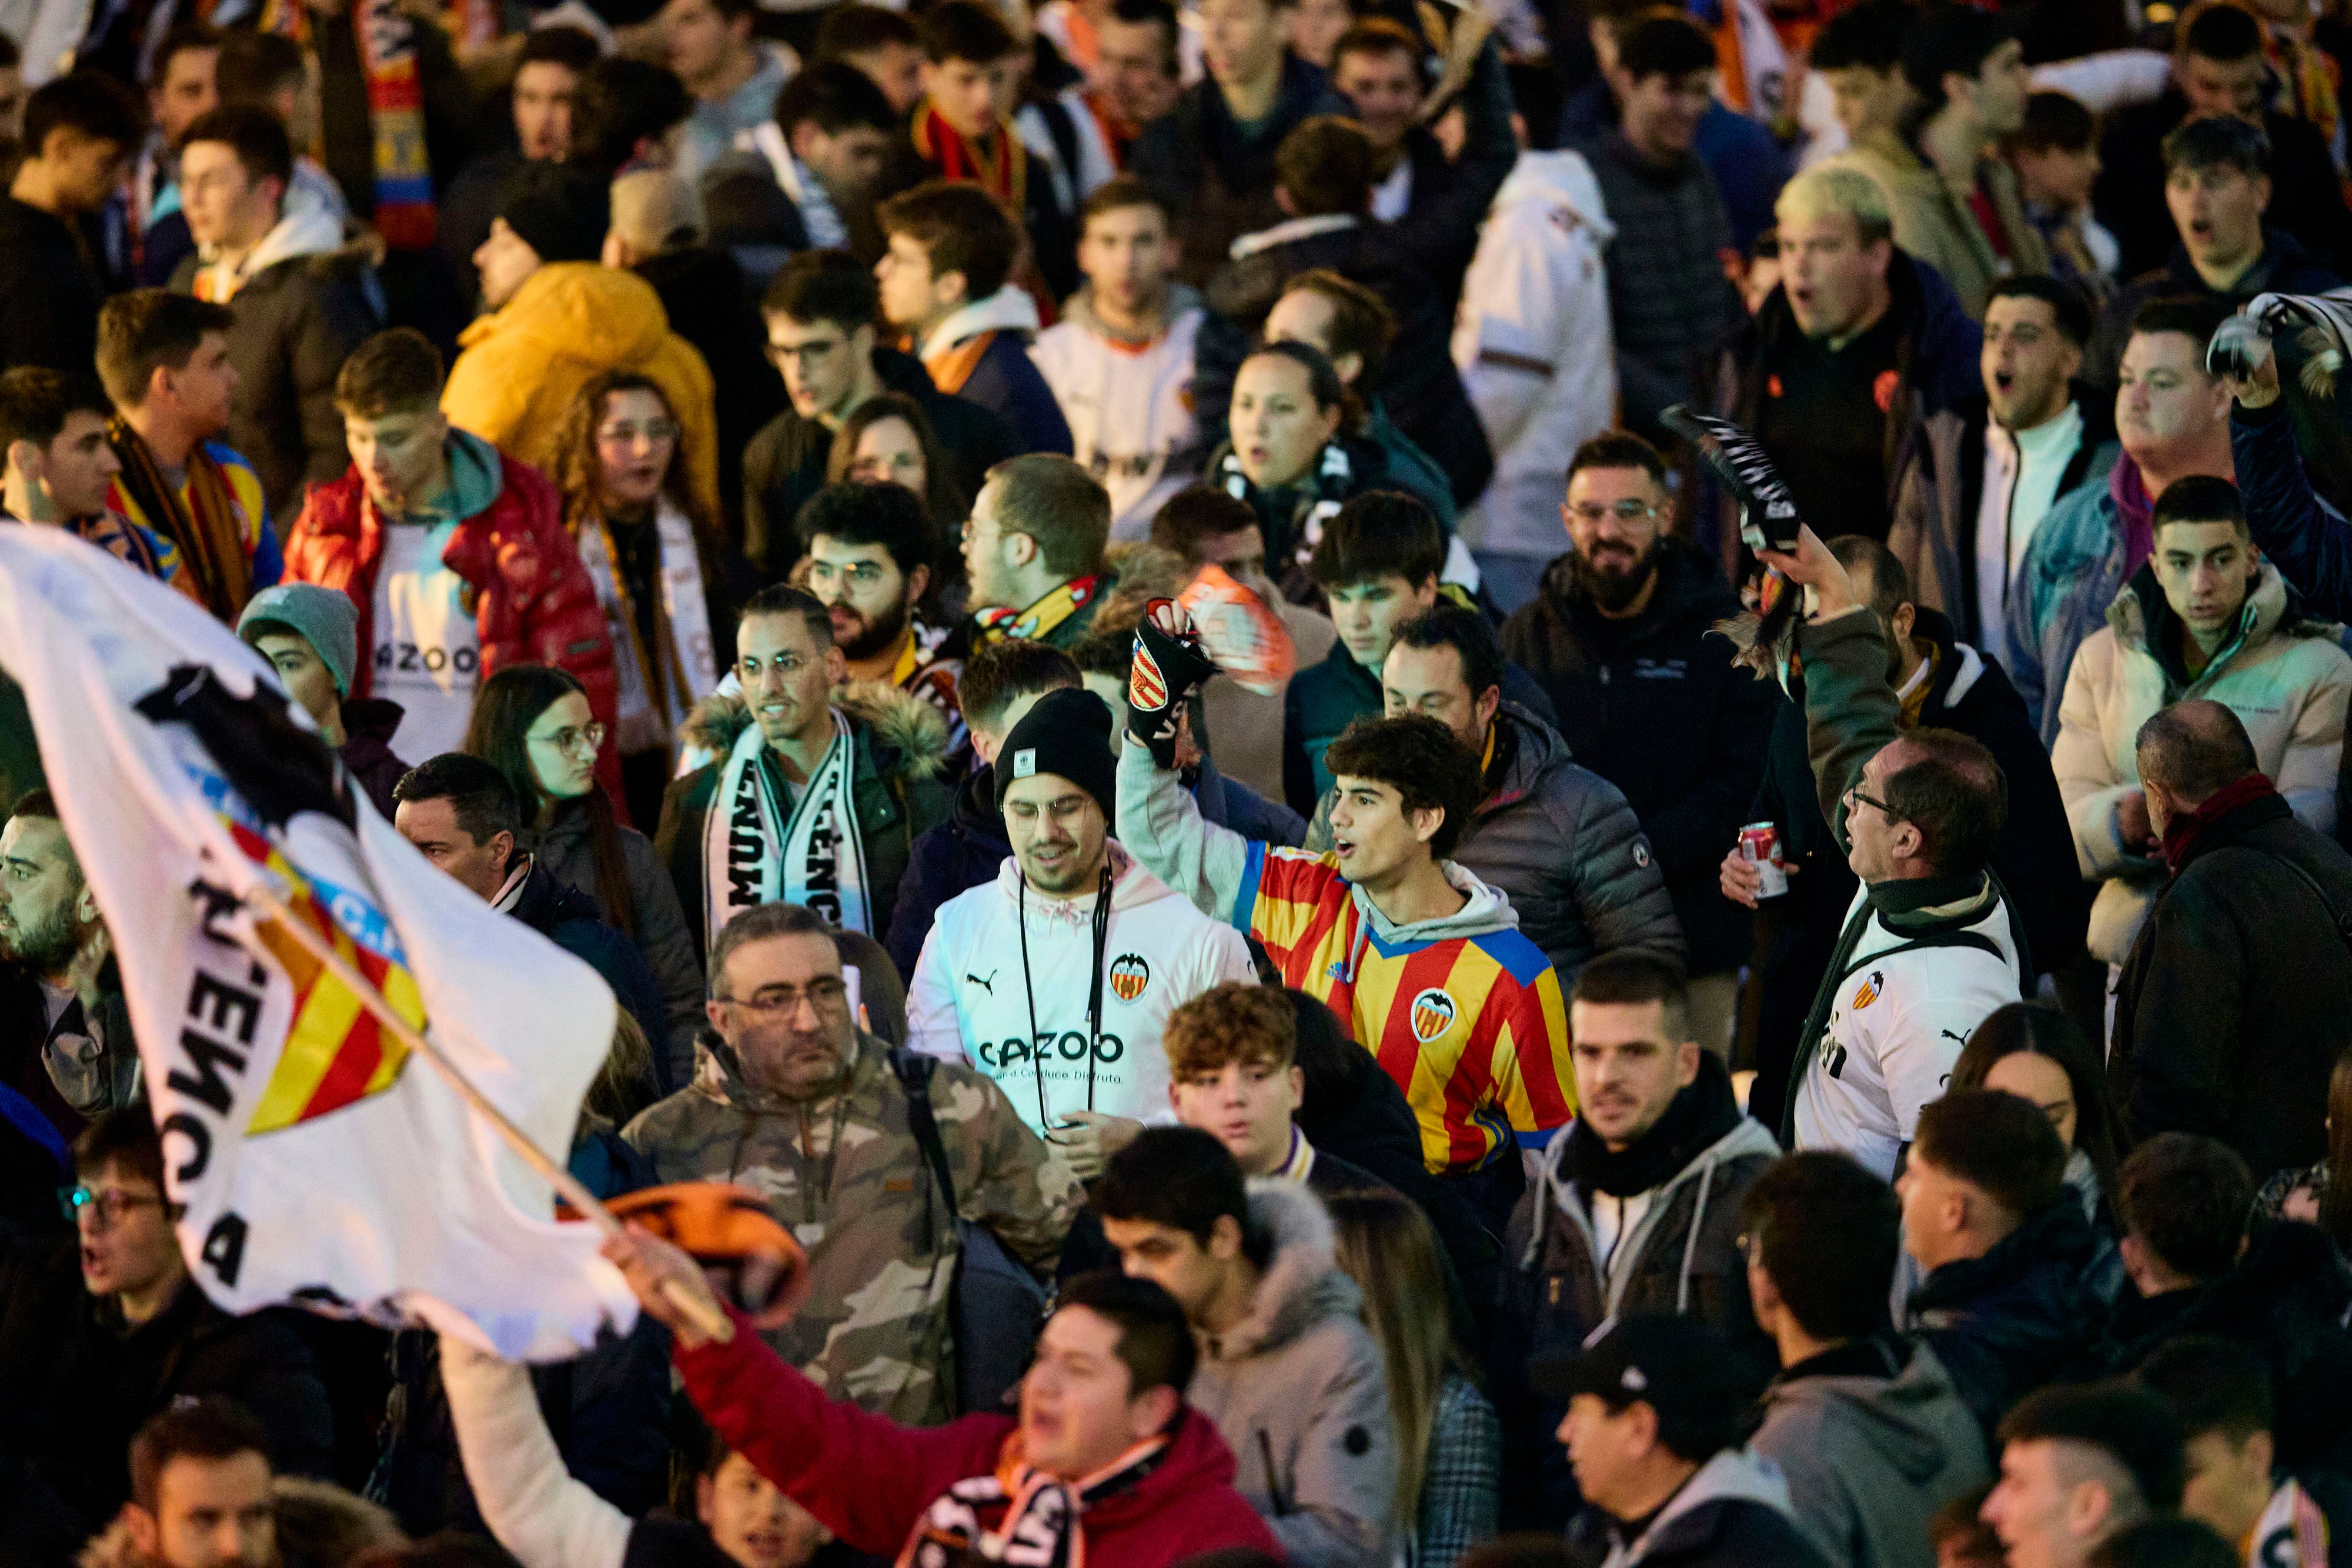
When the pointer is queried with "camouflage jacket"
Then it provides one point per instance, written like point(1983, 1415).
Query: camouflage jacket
point(846, 1175)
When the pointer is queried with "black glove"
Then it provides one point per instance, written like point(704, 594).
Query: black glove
point(1768, 513)
point(1168, 672)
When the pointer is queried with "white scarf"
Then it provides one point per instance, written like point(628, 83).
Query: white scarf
point(646, 725)
point(754, 852)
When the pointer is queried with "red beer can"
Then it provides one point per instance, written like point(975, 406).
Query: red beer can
point(1759, 845)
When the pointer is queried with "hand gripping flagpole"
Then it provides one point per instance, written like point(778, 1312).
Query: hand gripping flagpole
point(708, 1320)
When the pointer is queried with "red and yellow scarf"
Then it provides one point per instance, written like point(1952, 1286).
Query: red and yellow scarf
point(386, 34)
point(1003, 173)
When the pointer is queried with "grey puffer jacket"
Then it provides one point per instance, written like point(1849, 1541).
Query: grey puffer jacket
point(1561, 842)
point(563, 847)
point(1869, 1460)
point(1299, 1392)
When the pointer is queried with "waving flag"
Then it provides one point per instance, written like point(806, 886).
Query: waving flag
point(319, 1161)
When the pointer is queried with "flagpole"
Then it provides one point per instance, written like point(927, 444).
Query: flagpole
point(708, 1320)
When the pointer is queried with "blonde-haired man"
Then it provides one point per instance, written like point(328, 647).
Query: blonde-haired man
point(1846, 358)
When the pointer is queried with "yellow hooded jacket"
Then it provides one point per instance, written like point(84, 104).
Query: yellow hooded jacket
point(520, 369)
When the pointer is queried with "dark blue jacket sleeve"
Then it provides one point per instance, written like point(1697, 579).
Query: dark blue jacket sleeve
point(2306, 538)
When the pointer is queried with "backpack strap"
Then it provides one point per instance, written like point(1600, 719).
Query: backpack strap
point(1976, 939)
point(913, 1069)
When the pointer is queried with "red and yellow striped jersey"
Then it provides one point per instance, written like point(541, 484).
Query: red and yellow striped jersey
point(1473, 1028)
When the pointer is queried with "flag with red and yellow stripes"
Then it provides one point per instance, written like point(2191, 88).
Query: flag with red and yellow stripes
point(1465, 1015)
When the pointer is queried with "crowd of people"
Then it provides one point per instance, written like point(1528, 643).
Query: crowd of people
point(1558, 1026)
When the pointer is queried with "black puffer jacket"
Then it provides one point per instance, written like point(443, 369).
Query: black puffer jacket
point(1654, 705)
point(2022, 1315)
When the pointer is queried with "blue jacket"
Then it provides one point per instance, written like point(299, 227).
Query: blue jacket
point(2073, 571)
point(1008, 385)
point(2297, 531)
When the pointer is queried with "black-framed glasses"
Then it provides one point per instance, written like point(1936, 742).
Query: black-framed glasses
point(827, 996)
point(1853, 793)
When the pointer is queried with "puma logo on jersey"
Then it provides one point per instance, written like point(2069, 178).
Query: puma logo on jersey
point(989, 985)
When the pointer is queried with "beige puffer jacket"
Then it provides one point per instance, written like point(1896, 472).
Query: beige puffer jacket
point(2283, 676)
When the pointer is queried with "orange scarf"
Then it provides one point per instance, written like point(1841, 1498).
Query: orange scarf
point(1003, 173)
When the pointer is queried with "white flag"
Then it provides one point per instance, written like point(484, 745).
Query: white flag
point(318, 1162)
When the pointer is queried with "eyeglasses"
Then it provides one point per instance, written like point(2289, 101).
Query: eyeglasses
point(654, 431)
point(1623, 511)
point(572, 738)
point(1853, 793)
point(827, 996)
point(858, 573)
point(109, 1206)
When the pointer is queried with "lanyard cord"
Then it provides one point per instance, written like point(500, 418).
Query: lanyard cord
point(1094, 992)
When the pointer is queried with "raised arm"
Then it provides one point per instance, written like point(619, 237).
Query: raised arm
point(2305, 537)
point(531, 1502)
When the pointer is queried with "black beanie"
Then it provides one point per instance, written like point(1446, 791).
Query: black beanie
point(560, 213)
point(1068, 734)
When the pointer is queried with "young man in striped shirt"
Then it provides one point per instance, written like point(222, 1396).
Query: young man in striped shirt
point(1421, 960)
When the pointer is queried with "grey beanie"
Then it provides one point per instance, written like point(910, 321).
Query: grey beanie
point(325, 617)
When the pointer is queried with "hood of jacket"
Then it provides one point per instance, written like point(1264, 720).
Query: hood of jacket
point(374, 719)
point(1302, 1284)
point(975, 813)
point(1689, 588)
point(1734, 1475)
point(1010, 308)
point(1904, 1419)
point(1563, 177)
point(1488, 911)
point(580, 311)
point(301, 235)
point(1537, 749)
point(1196, 1461)
point(1131, 887)
point(1183, 299)
point(477, 474)
point(906, 734)
point(2144, 622)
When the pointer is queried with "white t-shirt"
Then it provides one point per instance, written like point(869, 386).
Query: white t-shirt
point(428, 652)
point(1129, 410)
point(2022, 470)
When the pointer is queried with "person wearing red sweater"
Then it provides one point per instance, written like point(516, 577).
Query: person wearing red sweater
point(1106, 1462)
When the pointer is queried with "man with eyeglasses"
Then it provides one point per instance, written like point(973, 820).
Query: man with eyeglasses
point(808, 800)
point(871, 550)
point(793, 1099)
point(83, 1369)
point(453, 554)
point(1619, 638)
point(820, 311)
point(1931, 942)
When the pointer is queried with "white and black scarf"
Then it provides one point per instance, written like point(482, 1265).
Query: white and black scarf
point(754, 852)
point(1038, 1517)
point(1317, 497)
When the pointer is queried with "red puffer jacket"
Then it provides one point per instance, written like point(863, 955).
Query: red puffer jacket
point(532, 599)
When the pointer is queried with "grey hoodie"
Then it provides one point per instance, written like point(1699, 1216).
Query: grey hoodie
point(1300, 1394)
point(1733, 1512)
point(1870, 1459)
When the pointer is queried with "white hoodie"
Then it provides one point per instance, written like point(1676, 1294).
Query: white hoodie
point(975, 991)
point(1533, 343)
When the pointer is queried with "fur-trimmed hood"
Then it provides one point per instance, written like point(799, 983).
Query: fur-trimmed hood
point(907, 734)
point(1302, 1284)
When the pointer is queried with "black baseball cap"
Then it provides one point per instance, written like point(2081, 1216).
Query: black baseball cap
point(1680, 1367)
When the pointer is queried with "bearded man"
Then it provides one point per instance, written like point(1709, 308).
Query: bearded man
point(870, 549)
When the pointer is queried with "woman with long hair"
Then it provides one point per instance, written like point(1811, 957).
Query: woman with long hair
point(532, 723)
point(2037, 1053)
point(1448, 1444)
point(648, 550)
point(888, 438)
